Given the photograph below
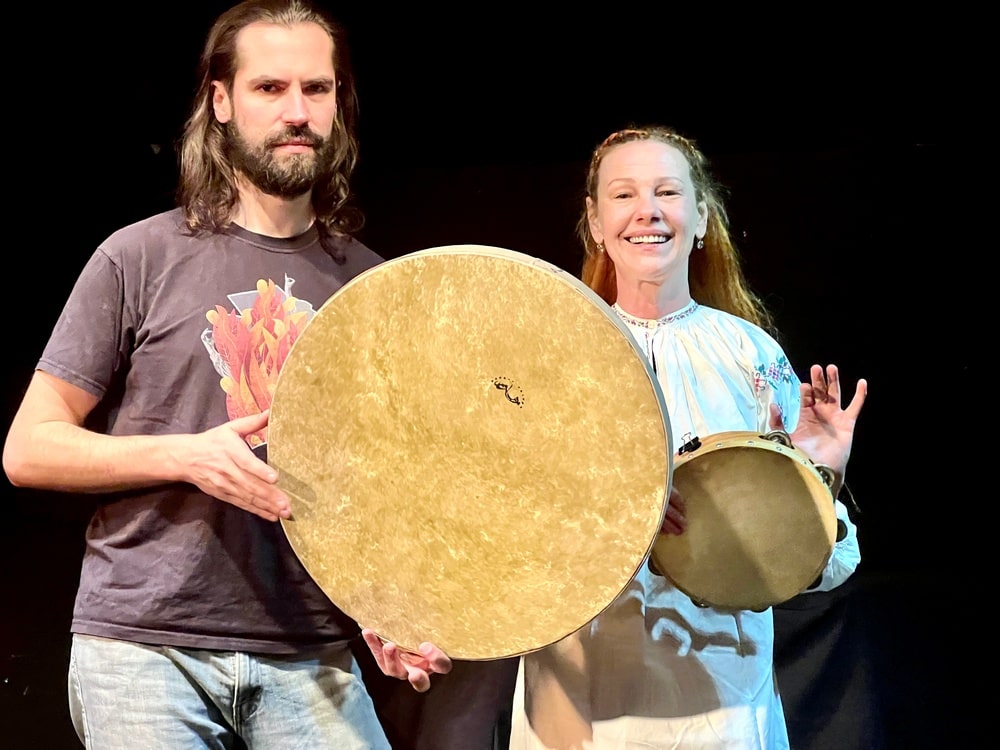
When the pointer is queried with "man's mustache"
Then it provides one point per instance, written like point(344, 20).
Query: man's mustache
point(296, 134)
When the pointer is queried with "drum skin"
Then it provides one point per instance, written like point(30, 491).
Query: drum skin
point(761, 522)
point(476, 451)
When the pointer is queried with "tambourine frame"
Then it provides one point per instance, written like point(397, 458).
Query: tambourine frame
point(761, 521)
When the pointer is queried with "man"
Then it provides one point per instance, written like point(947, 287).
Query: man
point(194, 623)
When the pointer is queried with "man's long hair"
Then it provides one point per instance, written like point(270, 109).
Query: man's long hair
point(207, 187)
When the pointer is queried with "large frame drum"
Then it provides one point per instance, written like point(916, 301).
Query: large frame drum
point(477, 452)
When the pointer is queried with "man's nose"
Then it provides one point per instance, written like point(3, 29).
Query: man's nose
point(296, 110)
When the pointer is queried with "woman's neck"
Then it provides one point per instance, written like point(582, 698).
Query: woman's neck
point(652, 301)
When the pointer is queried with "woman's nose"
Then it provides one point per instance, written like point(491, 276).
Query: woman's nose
point(649, 208)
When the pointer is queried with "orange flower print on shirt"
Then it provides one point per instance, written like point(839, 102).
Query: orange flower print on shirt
point(249, 343)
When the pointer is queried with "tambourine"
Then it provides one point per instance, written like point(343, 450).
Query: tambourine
point(761, 521)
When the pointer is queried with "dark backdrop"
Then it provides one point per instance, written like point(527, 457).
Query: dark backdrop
point(847, 148)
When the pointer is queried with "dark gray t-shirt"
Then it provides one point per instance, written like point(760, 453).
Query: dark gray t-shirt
point(177, 334)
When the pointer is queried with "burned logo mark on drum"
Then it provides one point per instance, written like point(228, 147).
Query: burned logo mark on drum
point(511, 390)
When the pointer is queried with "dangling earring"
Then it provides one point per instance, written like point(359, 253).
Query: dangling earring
point(700, 244)
point(600, 247)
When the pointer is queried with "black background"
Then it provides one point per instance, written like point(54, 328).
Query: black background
point(847, 145)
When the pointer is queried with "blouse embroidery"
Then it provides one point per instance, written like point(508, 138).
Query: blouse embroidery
point(684, 312)
point(773, 374)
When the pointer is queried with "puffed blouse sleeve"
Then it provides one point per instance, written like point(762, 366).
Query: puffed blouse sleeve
point(846, 555)
point(783, 388)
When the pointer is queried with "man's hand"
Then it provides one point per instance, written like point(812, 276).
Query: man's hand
point(406, 665)
point(221, 463)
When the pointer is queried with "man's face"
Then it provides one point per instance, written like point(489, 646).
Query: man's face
point(282, 108)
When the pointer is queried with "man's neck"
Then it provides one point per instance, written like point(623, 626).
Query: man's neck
point(272, 216)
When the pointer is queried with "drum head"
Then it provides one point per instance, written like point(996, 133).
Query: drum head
point(761, 523)
point(476, 450)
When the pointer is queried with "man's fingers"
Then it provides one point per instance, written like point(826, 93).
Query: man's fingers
point(377, 646)
point(420, 680)
point(251, 423)
point(437, 660)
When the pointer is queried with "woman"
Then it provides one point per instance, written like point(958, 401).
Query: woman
point(656, 669)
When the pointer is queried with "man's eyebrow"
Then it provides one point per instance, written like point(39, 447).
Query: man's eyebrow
point(266, 78)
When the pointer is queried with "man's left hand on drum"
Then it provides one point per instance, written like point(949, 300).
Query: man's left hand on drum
point(416, 668)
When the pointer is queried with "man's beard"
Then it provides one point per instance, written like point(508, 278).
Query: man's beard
point(288, 177)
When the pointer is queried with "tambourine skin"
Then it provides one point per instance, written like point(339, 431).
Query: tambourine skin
point(761, 522)
point(476, 451)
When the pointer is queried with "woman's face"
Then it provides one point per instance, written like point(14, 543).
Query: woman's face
point(646, 215)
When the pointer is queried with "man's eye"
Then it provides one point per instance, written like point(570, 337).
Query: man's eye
point(319, 88)
point(267, 88)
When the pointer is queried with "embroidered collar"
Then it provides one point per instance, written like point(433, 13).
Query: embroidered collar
point(684, 312)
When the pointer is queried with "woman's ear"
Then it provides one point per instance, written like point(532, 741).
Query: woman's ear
point(702, 228)
point(595, 226)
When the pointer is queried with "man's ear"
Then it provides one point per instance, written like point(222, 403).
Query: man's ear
point(221, 103)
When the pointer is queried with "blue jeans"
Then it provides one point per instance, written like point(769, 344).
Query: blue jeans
point(130, 695)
